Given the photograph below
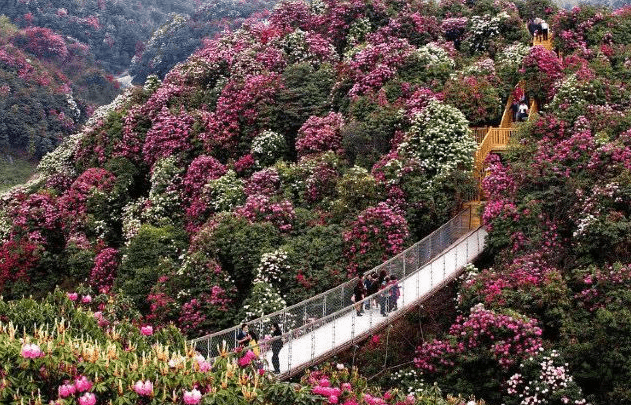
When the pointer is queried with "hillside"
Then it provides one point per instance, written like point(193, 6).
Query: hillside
point(295, 152)
point(49, 86)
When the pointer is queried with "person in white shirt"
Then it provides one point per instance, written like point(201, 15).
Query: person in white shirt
point(544, 29)
point(522, 111)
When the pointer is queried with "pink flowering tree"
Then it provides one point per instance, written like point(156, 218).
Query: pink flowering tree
point(199, 296)
point(377, 234)
point(541, 69)
point(481, 351)
point(168, 135)
point(320, 134)
point(104, 271)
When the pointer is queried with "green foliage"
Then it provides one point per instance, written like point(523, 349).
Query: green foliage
point(314, 260)
point(356, 190)
point(238, 245)
point(14, 170)
point(139, 269)
point(368, 136)
point(305, 93)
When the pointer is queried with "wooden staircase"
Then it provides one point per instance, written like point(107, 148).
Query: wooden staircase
point(495, 139)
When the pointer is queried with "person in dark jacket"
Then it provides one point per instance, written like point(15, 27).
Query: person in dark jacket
point(359, 292)
point(277, 344)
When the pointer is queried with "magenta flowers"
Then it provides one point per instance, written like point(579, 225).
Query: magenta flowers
point(87, 399)
point(147, 330)
point(144, 388)
point(31, 351)
point(192, 397)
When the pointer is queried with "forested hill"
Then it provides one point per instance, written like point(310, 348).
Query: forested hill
point(297, 151)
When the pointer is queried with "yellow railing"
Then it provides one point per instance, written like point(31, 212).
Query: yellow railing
point(496, 139)
point(507, 117)
point(479, 133)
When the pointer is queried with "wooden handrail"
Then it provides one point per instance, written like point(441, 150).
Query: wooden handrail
point(479, 133)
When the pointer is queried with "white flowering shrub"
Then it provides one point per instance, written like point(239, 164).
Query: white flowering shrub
point(509, 59)
point(438, 139)
point(263, 299)
point(483, 67)
point(430, 62)
point(164, 199)
point(151, 84)
point(409, 378)
point(357, 31)
point(483, 29)
point(60, 161)
point(543, 380)
point(132, 214)
point(272, 266)
point(268, 147)
point(226, 192)
point(572, 97)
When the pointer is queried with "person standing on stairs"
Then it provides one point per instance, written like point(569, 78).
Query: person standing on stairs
point(522, 111)
point(359, 292)
point(544, 29)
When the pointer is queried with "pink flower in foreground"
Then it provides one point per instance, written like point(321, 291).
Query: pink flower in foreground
point(192, 397)
point(87, 399)
point(82, 384)
point(66, 390)
point(86, 299)
point(147, 330)
point(144, 388)
point(72, 296)
point(31, 351)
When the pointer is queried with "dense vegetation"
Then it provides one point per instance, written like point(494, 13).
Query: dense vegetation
point(48, 87)
point(294, 152)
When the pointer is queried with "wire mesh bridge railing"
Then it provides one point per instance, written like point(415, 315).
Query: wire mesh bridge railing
point(329, 320)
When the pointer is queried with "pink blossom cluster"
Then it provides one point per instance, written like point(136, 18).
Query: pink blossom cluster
point(598, 282)
point(376, 231)
point(36, 211)
point(320, 134)
point(238, 106)
point(262, 208)
point(502, 338)
point(144, 388)
point(264, 182)
point(103, 273)
point(31, 351)
point(321, 182)
point(542, 69)
point(73, 202)
point(81, 384)
point(454, 27)
point(87, 399)
point(247, 358)
point(168, 135)
point(192, 397)
point(499, 180)
point(202, 169)
point(43, 42)
point(377, 63)
point(192, 316)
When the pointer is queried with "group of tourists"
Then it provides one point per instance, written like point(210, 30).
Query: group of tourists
point(538, 29)
point(370, 285)
point(247, 338)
